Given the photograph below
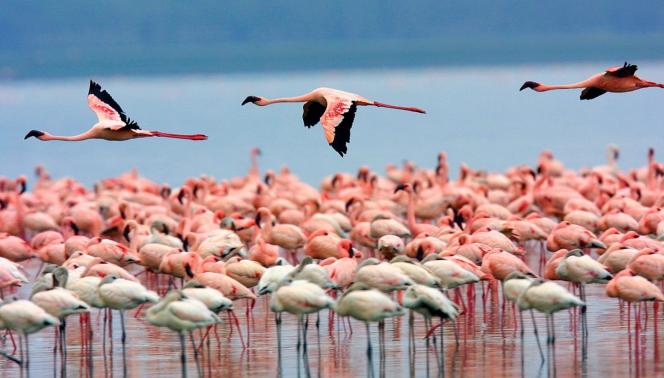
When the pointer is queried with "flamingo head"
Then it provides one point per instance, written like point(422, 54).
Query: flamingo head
point(35, 133)
point(529, 84)
point(405, 187)
point(260, 101)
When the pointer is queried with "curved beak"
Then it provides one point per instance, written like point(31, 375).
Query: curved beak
point(251, 99)
point(400, 187)
point(529, 84)
point(33, 133)
point(597, 244)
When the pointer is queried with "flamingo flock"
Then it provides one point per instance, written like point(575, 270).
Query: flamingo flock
point(334, 109)
point(366, 247)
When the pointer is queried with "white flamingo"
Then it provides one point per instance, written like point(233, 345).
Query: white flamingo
point(25, 318)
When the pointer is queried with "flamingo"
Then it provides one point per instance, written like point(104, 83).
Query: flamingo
point(272, 277)
point(309, 271)
point(300, 298)
point(615, 79)
point(382, 276)
point(366, 304)
point(450, 274)
point(390, 246)
point(430, 302)
point(212, 298)
point(547, 297)
point(181, 313)
point(60, 303)
point(121, 295)
point(113, 125)
point(25, 317)
point(334, 109)
point(415, 271)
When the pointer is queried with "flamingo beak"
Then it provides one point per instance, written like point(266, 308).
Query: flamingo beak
point(251, 99)
point(400, 187)
point(33, 133)
point(529, 84)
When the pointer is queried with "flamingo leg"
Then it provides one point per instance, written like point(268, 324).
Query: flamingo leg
point(183, 356)
point(277, 321)
point(442, 350)
point(539, 346)
point(124, 346)
point(237, 325)
point(196, 359)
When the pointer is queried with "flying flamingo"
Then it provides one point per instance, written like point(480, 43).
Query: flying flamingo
point(334, 109)
point(614, 79)
point(113, 125)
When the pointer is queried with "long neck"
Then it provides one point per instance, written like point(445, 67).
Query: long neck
point(254, 171)
point(302, 98)
point(72, 138)
point(411, 212)
point(267, 227)
point(581, 84)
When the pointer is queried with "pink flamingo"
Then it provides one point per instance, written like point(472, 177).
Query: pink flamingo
point(113, 125)
point(614, 79)
point(334, 109)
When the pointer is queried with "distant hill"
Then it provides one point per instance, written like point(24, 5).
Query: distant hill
point(80, 38)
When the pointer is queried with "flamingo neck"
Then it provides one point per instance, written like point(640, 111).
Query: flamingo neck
point(254, 171)
point(303, 98)
point(544, 87)
point(411, 212)
point(72, 138)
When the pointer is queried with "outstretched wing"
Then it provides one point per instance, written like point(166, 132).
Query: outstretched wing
point(312, 113)
point(626, 70)
point(107, 109)
point(337, 122)
point(591, 92)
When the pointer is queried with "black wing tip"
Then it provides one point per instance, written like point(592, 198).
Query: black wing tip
point(33, 133)
point(341, 150)
point(626, 70)
point(342, 131)
point(94, 88)
point(529, 84)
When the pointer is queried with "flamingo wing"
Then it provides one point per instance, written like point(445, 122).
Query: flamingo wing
point(313, 111)
point(591, 92)
point(626, 70)
point(107, 109)
point(337, 122)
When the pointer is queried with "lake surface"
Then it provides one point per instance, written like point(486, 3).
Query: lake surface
point(490, 345)
point(475, 114)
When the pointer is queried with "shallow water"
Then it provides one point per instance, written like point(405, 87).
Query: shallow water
point(490, 345)
point(476, 114)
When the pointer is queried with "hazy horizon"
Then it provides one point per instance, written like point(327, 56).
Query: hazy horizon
point(75, 38)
